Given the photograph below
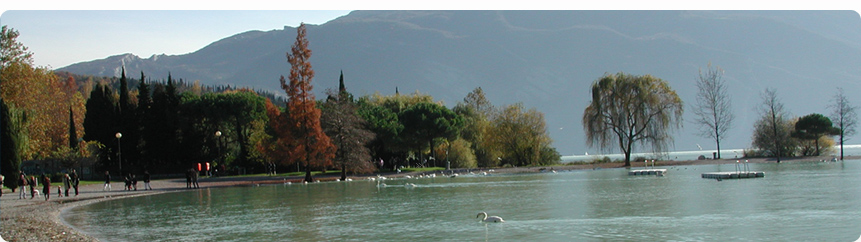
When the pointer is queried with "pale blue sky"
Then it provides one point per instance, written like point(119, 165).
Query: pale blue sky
point(60, 38)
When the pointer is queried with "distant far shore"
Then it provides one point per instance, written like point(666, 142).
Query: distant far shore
point(39, 220)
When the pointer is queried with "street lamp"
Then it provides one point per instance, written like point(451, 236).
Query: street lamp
point(218, 145)
point(120, 151)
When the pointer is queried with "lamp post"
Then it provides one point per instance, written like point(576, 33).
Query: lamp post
point(120, 151)
point(218, 145)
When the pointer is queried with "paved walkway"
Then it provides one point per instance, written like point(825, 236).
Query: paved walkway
point(96, 191)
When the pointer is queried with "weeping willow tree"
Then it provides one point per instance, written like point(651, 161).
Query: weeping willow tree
point(631, 111)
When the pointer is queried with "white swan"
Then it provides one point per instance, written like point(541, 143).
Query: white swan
point(495, 219)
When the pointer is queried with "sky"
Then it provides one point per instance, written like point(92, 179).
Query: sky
point(61, 38)
point(60, 33)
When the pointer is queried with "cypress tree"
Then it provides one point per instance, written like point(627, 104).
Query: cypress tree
point(10, 145)
point(73, 134)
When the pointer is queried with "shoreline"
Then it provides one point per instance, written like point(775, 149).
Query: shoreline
point(39, 220)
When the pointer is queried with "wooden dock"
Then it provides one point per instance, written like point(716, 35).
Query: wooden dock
point(657, 172)
point(733, 175)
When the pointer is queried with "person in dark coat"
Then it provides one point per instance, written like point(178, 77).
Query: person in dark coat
point(107, 181)
point(146, 179)
point(134, 182)
point(188, 177)
point(194, 179)
point(75, 181)
point(33, 185)
point(46, 186)
point(128, 182)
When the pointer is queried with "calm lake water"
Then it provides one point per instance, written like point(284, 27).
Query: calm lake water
point(795, 201)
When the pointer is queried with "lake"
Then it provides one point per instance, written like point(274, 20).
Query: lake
point(794, 201)
point(682, 155)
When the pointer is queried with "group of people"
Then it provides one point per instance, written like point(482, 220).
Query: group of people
point(131, 181)
point(70, 181)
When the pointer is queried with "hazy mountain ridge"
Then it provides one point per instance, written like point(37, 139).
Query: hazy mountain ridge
point(546, 59)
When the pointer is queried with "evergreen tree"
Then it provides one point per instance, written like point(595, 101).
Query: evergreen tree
point(13, 138)
point(143, 118)
point(73, 133)
point(100, 121)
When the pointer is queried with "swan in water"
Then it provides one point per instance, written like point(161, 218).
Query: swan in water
point(495, 219)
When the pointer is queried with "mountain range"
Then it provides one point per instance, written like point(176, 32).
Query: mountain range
point(545, 59)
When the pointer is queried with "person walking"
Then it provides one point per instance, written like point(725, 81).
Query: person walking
point(46, 186)
point(107, 181)
point(128, 182)
point(146, 181)
point(22, 185)
point(75, 180)
point(1, 184)
point(134, 182)
point(67, 183)
point(33, 184)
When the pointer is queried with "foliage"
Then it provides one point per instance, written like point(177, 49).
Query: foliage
point(12, 51)
point(100, 121)
point(845, 118)
point(46, 99)
point(824, 145)
point(631, 110)
point(713, 109)
point(424, 123)
point(12, 136)
point(458, 152)
point(521, 136)
point(476, 111)
point(772, 131)
point(307, 143)
point(812, 127)
point(347, 131)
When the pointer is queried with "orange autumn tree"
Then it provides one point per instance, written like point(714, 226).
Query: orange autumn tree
point(298, 130)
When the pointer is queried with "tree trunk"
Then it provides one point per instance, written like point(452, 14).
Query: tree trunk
point(343, 171)
point(308, 177)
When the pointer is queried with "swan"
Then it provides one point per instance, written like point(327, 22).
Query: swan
point(495, 219)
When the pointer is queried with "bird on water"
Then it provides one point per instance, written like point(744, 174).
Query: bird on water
point(485, 218)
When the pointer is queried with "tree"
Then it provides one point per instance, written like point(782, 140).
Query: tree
point(631, 110)
point(521, 135)
point(13, 138)
point(11, 50)
point(128, 124)
point(772, 131)
point(348, 133)
point(73, 132)
point(476, 111)
point(844, 116)
point(309, 145)
point(100, 120)
point(713, 109)
point(425, 122)
point(813, 127)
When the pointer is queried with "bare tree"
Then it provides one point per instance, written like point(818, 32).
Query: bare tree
point(713, 108)
point(844, 117)
point(771, 132)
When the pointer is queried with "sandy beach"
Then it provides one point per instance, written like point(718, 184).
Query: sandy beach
point(39, 220)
